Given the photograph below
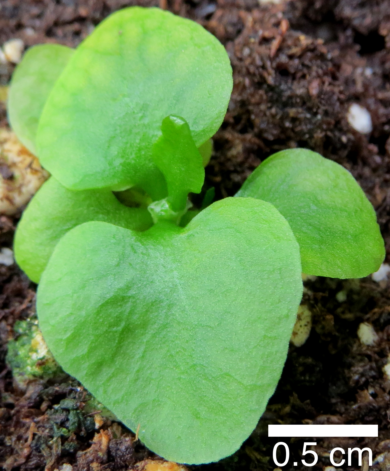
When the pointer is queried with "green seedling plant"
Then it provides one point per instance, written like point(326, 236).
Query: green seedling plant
point(178, 322)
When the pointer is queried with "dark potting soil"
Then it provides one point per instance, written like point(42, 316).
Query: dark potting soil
point(297, 69)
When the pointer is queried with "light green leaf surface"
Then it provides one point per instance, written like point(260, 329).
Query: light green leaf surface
point(31, 84)
point(179, 160)
point(182, 332)
point(54, 210)
point(104, 115)
point(332, 219)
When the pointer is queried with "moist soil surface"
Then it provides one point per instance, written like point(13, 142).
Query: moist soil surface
point(298, 66)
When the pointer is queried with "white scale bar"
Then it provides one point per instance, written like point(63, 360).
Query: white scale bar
point(325, 430)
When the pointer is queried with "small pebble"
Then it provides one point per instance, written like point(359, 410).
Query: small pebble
point(330, 468)
point(382, 273)
point(13, 50)
point(302, 326)
point(383, 460)
point(66, 467)
point(246, 52)
point(25, 175)
point(367, 334)
point(359, 118)
point(206, 10)
point(341, 296)
point(6, 257)
point(99, 421)
point(29, 32)
point(386, 368)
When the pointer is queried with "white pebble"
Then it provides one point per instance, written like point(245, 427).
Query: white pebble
point(66, 467)
point(330, 468)
point(368, 71)
point(27, 172)
point(367, 334)
point(386, 369)
point(6, 257)
point(359, 118)
point(246, 52)
point(13, 50)
point(302, 326)
point(382, 273)
point(29, 32)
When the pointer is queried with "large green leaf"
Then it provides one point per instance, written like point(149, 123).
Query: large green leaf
point(54, 210)
point(104, 115)
point(31, 84)
point(180, 332)
point(332, 219)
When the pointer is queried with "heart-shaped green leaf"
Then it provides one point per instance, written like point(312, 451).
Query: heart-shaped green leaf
point(54, 210)
point(180, 332)
point(332, 219)
point(31, 84)
point(104, 115)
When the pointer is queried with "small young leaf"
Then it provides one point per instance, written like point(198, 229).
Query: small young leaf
point(208, 197)
point(332, 219)
point(179, 160)
point(181, 333)
point(104, 115)
point(31, 84)
point(55, 210)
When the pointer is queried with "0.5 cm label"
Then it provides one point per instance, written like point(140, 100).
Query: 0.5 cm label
point(310, 457)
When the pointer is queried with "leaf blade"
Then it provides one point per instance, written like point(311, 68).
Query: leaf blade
point(332, 219)
point(54, 210)
point(138, 66)
point(30, 87)
point(158, 325)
